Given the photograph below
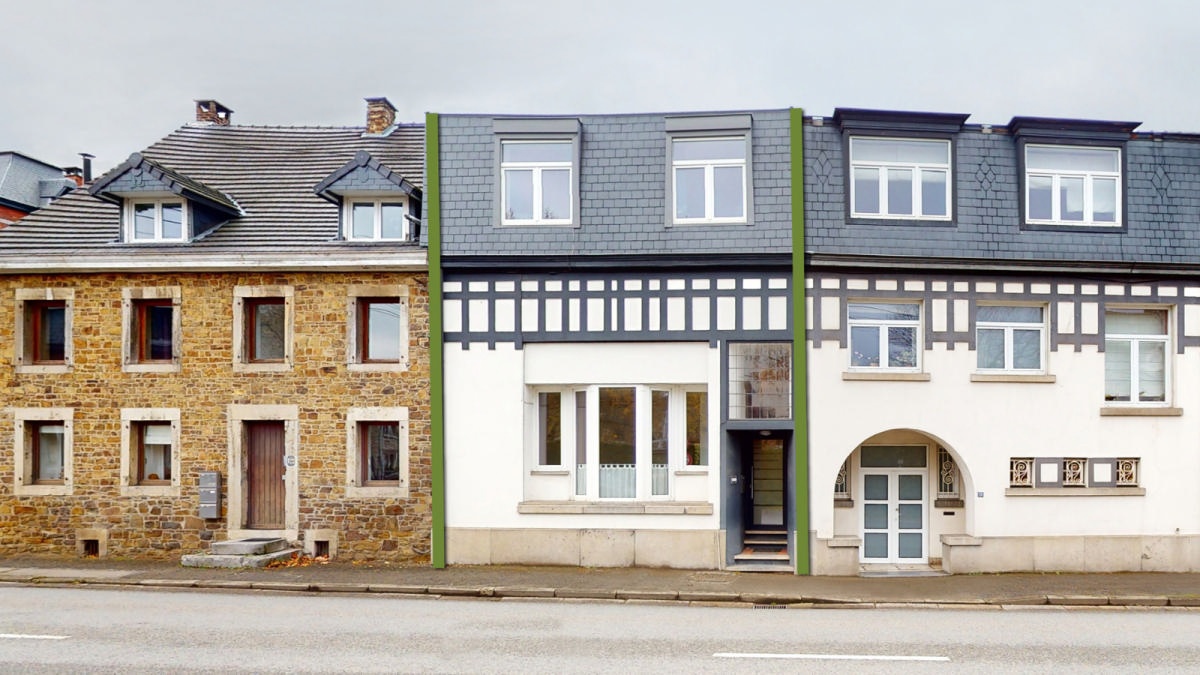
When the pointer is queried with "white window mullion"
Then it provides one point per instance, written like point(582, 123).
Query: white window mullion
point(593, 442)
point(642, 433)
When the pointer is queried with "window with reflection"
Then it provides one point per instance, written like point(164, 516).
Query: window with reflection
point(1072, 185)
point(900, 178)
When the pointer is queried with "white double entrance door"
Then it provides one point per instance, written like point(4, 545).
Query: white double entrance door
point(894, 527)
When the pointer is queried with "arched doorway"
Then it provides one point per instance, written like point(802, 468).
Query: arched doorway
point(895, 495)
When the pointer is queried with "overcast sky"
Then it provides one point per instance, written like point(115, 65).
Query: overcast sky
point(112, 77)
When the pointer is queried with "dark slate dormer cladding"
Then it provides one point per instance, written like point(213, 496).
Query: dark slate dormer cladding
point(208, 207)
point(1160, 191)
point(623, 198)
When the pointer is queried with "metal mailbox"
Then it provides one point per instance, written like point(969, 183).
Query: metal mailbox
point(210, 494)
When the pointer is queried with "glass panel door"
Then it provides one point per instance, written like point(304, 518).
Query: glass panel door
point(893, 517)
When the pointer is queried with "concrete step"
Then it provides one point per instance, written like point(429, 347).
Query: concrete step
point(253, 546)
point(754, 555)
point(234, 560)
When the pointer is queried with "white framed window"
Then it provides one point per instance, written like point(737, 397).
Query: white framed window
point(156, 220)
point(1137, 343)
point(903, 178)
point(1010, 338)
point(262, 328)
point(377, 452)
point(708, 179)
point(150, 457)
point(377, 328)
point(43, 451)
point(885, 336)
point(42, 335)
point(376, 219)
point(537, 181)
point(1072, 185)
point(620, 441)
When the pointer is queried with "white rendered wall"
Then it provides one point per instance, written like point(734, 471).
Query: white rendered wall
point(986, 423)
point(489, 462)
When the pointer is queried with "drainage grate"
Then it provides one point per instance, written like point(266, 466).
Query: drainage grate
point(770, 606)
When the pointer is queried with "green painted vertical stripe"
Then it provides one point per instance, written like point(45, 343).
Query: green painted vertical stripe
point(437, 449)
point(800, 348)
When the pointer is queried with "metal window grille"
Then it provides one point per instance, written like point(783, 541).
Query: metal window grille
point(1127, 471)
point(841, 485)
point(1020, 472)
point(1074, 472)
point(947, 475)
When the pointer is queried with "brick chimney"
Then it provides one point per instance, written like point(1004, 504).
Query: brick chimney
point(211, 112)
point(381, 115)
point(73, 173)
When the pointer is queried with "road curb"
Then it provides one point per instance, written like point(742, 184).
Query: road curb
point(633, 596)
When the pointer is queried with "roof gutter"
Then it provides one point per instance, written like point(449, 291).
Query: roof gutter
point(284, 262)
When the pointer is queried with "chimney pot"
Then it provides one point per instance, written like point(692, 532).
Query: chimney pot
point(74, 173)
point(209, 111)
point(381, 115)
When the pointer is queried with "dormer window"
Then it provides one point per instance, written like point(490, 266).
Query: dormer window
point(376, 219)
point(156, 220)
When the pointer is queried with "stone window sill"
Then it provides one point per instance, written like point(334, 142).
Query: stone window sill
point(1109, 411)
point(1013, 377)
point(618, 508)
point(884, 376)
point(1076, 492)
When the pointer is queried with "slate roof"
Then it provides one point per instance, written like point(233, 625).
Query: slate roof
point(22, 179)
point(176, 182)
point(269, 172)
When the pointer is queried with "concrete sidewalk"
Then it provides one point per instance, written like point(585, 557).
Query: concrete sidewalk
point(629, 584)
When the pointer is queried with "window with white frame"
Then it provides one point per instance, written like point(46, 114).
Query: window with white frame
point(622, 442)
point(900, 178)
point(709, 179)
point(150, 458)
point(536, 181)
point(1072, 185)
point(376, 219)
point(155, 220)
point(1009, 338)
point(377, 452)
point(1136, 345)
point(43, 451)
point(885, 336)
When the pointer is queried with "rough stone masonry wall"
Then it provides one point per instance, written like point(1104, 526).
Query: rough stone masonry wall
point(319, 384)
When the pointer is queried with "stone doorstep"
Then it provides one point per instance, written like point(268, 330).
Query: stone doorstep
point(252, 546)
point(235, 561)
point(1184, 601)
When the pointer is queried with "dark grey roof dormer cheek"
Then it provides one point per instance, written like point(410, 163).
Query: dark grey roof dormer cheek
point(549, 129)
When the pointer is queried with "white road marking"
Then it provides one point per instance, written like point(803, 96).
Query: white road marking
point(830, 657)
point(19, 636)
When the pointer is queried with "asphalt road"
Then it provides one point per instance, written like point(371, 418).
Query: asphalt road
point(129, 631)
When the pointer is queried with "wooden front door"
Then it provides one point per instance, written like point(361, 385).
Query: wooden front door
point(265, 487)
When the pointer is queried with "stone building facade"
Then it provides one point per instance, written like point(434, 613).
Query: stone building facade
point(276, 338)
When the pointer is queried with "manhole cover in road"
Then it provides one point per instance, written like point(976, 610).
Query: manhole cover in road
point(712, 577)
